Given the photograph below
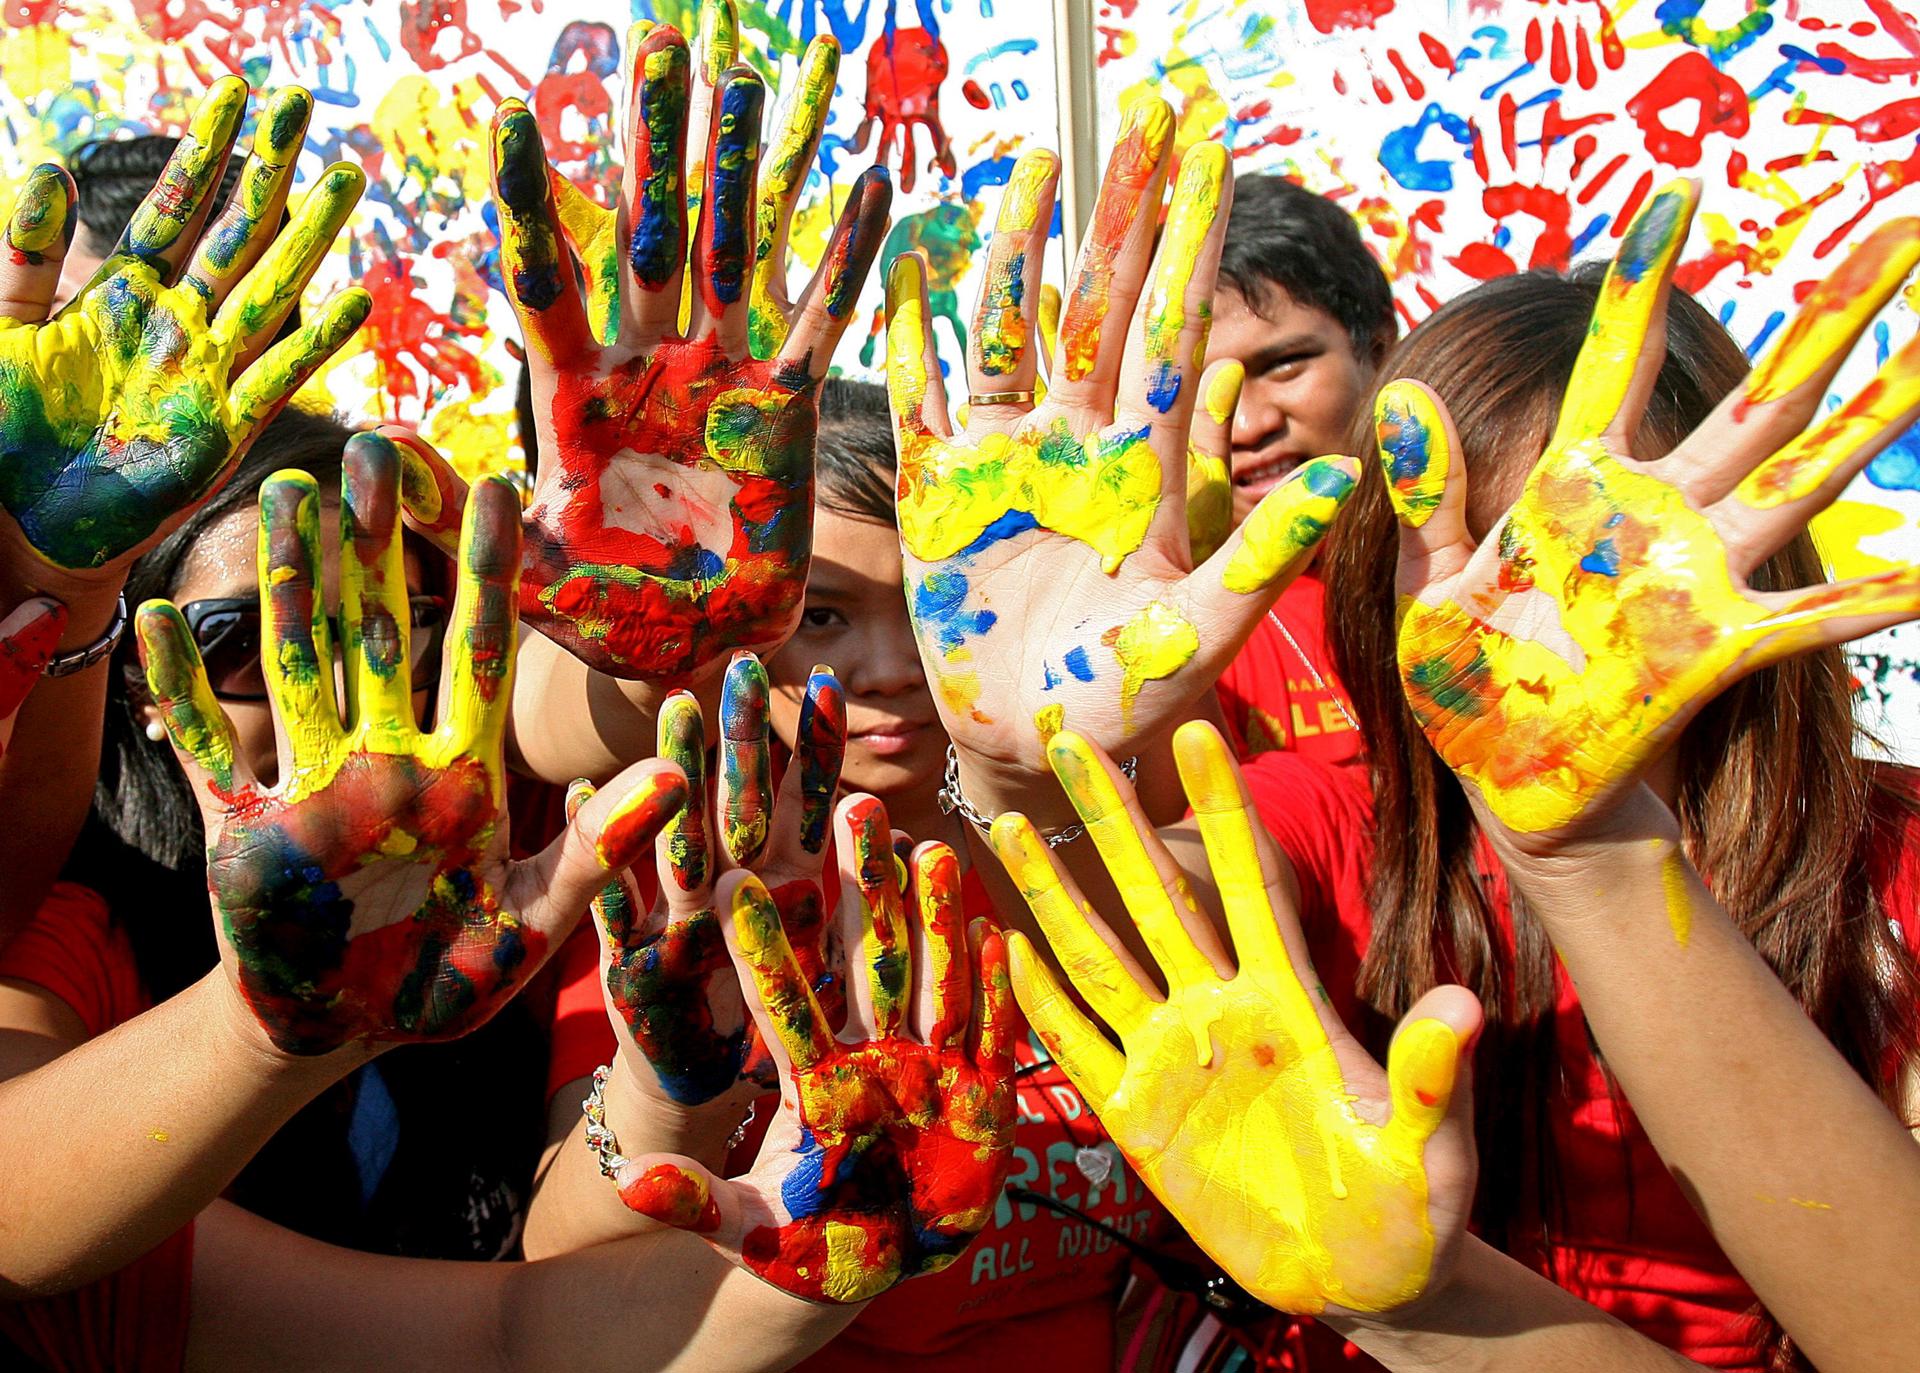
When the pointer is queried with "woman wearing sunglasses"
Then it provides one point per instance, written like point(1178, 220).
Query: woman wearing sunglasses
point(360, 1166)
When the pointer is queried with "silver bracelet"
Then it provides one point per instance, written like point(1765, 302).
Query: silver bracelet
point(84, 657)
point(953, 801)
point(600, 1139)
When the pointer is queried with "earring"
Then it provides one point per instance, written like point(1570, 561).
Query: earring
point(156, 732)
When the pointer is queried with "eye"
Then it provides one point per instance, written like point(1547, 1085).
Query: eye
point(1291, 365)
point(821, 617)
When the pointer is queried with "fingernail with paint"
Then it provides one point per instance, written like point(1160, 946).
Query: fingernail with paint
point(637, 817)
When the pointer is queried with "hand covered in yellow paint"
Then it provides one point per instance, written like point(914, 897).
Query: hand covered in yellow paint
point(1552, 663)
point(1048, 555)
point(1319, 1183)
point(673, 383)
point(894, 1138)
point(123, 412)
point(365, 895)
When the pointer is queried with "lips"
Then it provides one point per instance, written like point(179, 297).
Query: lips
point(888, 736)
point(1264, 472)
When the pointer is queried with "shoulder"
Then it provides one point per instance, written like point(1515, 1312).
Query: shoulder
point(73, 950)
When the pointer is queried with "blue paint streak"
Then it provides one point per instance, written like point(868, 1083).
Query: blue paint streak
point(1774, 321)
point(1400, 151)
point(1588, 235)
point(1012, 45)
point(1009, 524)
point(939, 604)
point(1522, 70)
point(1078, 665)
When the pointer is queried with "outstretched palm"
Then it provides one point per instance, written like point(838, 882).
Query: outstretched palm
point(890, 1149)
point(132, 404)
point(1553, 662)
point(1047, 552)
point(672, 517)
point(1253, 1116)
point(367, 894)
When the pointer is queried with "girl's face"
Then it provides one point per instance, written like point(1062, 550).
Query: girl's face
point(220, 566)
point(855, 621)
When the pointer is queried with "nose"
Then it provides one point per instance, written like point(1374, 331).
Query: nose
point(1261, 414)
point(888, 663)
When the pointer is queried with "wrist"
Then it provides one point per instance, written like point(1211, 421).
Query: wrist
point(240, 1030)
point(645, 1120)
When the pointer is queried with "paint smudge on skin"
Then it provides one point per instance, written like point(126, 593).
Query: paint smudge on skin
point(885, 953)
point(1049, 721)
point(681, 738)
point(783, 173)
point(28, 638)
point(822, 748)
point(746, 759)
point(630, 827)
point(1288, 524)
point(1807, 463)
point(1001, 326)
point(1156, 643)
point(1414, 448)
point(674, 1196)
point(1194, 211)
point(1673, 886)
point(44, 213)
point(1139, 150)
point(1227, 1095)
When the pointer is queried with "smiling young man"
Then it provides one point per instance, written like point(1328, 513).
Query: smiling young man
point(1304, 306)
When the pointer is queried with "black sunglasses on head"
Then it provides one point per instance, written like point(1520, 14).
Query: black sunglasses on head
point(227, 633)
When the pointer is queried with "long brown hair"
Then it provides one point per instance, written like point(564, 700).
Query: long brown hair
point(1777, 812)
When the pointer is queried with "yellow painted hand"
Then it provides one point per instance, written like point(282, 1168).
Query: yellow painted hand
point(1316, 1181)
point(1049, 561)
point(1552, 663)
point(124, 411)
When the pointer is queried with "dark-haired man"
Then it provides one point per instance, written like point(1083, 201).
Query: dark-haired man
point(1304, 306)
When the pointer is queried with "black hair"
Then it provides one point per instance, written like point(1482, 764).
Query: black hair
point(1284, 237)
point(113, 175)
point(143, 848)
point(526, 422)
point(856, 462)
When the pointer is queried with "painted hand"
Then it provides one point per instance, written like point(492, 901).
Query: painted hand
point(891, 1147)
point(1047, 549)
point(133, 404)
point(1315, 1180)
point(672, 520)
point(366, 895)
point(1556, 660)
point(671, 991)
point(28, 638)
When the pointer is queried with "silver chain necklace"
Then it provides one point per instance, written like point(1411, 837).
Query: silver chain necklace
point(1313, 671)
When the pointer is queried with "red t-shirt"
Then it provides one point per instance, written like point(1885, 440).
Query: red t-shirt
point(135, 1319)
point(1281, 695)
point(1631, 1243)
point(1035, 1287)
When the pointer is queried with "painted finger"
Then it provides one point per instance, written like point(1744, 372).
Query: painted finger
point(997, 1015)
point(234, 241)
point(1000, 354)
point(1811, 471)
point(433, 496)
point(28, 637)
point(541, 282)
point(296, 653)
point(915, 389)
point(653, 190)
point(1787, 385)
point(1048, 322)
point(1086, 1056)
point(261, 302)
point(166, 223)
point(778, 995)
point(177, 681)
point(1427, 486)
point(1627, 340)
point(948, 977)
point(787, 165)
point(746, 760)
point(1113, 262)
point(476, 697)
point(266, 386)
point(613, 908)
point(1823, 616)
point(822, 750)
point(872, 919)
point(1168, 335)
point(1150, 883)
point(675, 1191)
point(39, 231)
point(723, 248)
point(716, 47)
point(1425, 1064)
point(1220, 803)
point(827, 305)
point(592, 231)
point(1086, 948)
point(683, 854)
point(1210, 460)
point(606, 834)
point(376, 618)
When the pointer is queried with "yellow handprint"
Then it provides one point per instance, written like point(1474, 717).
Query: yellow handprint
point(1244, 1111)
